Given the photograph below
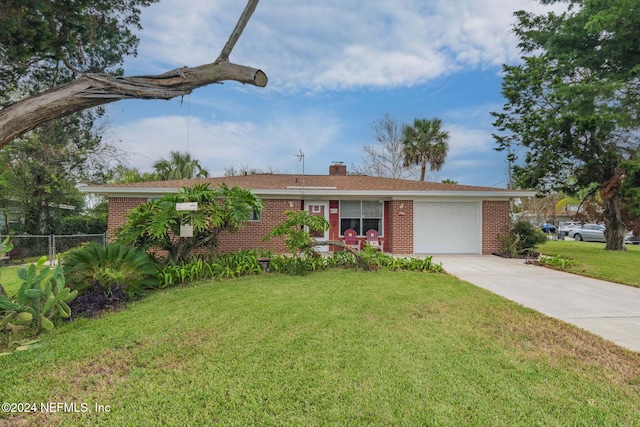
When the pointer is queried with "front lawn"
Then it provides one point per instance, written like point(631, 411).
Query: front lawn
point(594, 261)
point(331, 348)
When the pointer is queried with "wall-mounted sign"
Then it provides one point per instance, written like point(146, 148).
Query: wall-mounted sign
point(333, 210)
point(188, 206)
point(186, 231)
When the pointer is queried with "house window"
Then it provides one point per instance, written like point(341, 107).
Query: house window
point(256, 215)
point(361, 215)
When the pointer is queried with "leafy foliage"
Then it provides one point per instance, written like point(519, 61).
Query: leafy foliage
point(47, 43)
point(373, 259)
point(94, 301)
point(556, 262)
point(425, 143)
point(155, 226)
point(106, 269)
point(523, 238)
point(42, 298)
point(295, 229)
point(179, 166)
point(573, 103)
point(43, 168)
point(222, 266)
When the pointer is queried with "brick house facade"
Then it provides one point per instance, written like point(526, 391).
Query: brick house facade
point(395, 201)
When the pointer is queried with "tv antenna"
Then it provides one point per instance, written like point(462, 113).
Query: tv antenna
point(300, 157)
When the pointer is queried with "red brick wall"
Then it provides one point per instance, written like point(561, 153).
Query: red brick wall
point(495, 220)
point(118, 207)
point(398, 224)
point(399, 234)
point(253, 232)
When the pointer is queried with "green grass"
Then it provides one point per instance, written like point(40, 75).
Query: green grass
point(331, 348)
point(9, 279)
point(594, 261)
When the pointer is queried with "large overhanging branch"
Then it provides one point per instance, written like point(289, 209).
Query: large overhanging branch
point(92, 90)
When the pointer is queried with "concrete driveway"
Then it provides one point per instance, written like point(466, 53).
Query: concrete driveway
point(604, 308)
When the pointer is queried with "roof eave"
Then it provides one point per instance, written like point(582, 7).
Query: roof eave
point(300, 193)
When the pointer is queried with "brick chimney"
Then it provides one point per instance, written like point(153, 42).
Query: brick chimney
point(338, 169)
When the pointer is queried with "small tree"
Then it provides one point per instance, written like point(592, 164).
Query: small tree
point(155, 226)
point(296, 231)
point(297, 238)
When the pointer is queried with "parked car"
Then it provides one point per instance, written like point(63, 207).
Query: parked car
point(595, 233)
point(588, 233)
point(566, 227)
point(631, 239)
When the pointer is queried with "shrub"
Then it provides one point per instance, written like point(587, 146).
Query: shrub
point(105, 268)
point(94, 301)
point(224, 266)
point(557, 262)
point(155, 226)
point(523, 238)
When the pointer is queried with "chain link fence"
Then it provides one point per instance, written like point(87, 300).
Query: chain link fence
point(27, 246)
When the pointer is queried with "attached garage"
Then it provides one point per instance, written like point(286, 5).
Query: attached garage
point(447, 227)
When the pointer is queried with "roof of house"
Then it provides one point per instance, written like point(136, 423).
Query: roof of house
point(316, 185)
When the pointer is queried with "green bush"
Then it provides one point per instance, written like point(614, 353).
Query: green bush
point(373, 258)
point(523, 238)
point(224, 266)
point(106, 268)
point(530, 236)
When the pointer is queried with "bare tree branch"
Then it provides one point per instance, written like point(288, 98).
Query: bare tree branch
point(237, 31)
point(92, 90)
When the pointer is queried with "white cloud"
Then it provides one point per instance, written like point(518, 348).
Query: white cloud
point(331, 44)
point(224, 144)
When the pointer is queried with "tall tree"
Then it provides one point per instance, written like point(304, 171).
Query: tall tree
point(574, 102)
point(425, 143)
point(76, 47)
point(386, 158)
point(179, 166)
point(42, 169)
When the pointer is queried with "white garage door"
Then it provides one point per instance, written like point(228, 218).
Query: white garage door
point(447, 228)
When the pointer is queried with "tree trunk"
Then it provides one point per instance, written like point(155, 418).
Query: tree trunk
point(92, 90)
point(616, 230)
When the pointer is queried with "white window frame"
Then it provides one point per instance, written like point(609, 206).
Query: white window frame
point(362, 232)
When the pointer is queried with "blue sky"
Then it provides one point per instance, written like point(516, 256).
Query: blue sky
point(334, 68)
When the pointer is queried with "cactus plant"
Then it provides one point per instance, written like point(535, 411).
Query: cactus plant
point(43, 297)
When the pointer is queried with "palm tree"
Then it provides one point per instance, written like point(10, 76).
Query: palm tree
point(425, 142)
point(179, 166)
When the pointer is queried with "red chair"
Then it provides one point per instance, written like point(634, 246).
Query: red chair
point(374, 240)
point(351, 239)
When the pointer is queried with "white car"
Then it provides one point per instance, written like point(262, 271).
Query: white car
point(595, 233)
point(588, 233)
point(566, 227)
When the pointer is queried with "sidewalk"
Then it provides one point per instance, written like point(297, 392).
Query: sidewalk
point(604, 308)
